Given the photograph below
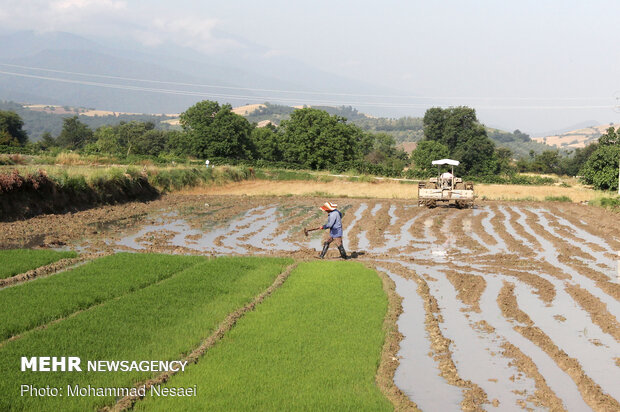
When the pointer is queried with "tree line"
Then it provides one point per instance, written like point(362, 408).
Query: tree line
point(315, 139)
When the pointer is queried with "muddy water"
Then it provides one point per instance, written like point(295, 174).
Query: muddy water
point(501, 246)
point(577, 336)
point(418, 374)
point(550, 254)
point(375, 209)
point(517, 243)
point(598, 260)
point(560, 383)
point(475, 353)
point(357, 217)
point(511, 230)
point(393, 217)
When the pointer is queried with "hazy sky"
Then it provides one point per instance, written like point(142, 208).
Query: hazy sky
point(534, 65)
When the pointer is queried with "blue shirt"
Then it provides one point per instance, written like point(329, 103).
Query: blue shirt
point(334, 223)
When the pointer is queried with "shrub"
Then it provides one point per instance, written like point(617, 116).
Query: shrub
point(607, 202)
point(513, 179)
point(558, 199)
point(65, 158)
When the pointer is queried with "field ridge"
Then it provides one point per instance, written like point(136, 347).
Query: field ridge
point(227, 324)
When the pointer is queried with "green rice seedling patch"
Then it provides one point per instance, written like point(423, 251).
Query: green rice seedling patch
point(162, 322)
point(315, 344)
point(16, 261)
point(40, 301)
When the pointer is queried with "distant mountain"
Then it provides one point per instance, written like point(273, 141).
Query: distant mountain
point(577, 138)
point(26, 43)
point(237, 74)
point(576, 126)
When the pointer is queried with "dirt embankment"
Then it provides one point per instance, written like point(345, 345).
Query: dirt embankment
point(36, 194)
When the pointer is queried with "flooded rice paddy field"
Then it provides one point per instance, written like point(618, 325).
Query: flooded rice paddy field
point(508, 306)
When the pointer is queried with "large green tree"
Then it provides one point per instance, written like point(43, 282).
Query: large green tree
point(107, 140)
point(178, 143)
point(425, 152)
point(215, 131)
point(47, 141)
point(11, 132)
point(572, 165)
point(74, 134)
point(314, 139)
point(131, 133)
point(265, 139)
point(151, 142)
point(601, 168)
point(458, 129)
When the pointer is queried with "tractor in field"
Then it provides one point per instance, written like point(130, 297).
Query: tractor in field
point(446, 188)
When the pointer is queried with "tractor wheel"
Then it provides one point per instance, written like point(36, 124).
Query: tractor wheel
point(431, 204)
point(432, 185)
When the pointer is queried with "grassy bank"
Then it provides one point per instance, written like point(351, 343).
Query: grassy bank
point(314, 345)
point(25, 192)
point(14, 262)
point(608, 202)
point(161, 322)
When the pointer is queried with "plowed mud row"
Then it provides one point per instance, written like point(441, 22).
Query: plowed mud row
point(507, 306)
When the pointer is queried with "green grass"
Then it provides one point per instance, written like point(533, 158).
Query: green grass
point(558, 199)
point(612, 203)
point(285, 174)
point(315, 344)
point(40, 301)
point(16, 261)
point(164, 321)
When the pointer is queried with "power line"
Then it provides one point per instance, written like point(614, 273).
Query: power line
point(104, 76)
point(279, 99)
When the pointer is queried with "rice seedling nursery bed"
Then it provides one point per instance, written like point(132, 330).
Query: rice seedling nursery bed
point(314, 345)
point(162, 321)
point(16, 261)
point(35, 303)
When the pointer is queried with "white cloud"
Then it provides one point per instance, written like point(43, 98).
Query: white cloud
point(115, 18)
point(89, 5)
point(193, 32)
point(80, 16)
point(273, 53)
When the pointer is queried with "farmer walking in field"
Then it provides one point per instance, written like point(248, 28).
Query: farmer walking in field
point(334, 224)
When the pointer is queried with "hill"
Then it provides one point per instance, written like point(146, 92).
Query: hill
point(39, 119)
point(518, 142)
point(574, 139)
